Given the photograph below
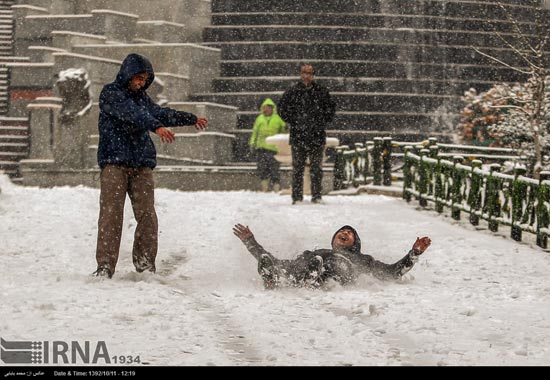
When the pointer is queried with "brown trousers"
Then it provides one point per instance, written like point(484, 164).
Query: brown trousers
point(116, 181)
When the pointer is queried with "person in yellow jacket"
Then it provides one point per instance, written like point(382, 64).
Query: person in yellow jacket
point(268, 123)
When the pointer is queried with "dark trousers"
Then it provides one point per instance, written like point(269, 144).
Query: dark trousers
point(268, 166)
point(116, 182)
point(299, 156)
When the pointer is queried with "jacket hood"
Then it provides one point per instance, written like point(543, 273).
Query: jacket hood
point(135, 64)
point(356, 247)
point(269, 102)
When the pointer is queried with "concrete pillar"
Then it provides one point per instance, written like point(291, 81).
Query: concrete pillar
point(43, 114)
point(71, 134)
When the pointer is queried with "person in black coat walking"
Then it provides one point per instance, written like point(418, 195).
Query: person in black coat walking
point(343, 263)
point(127, 156)
point(308, 108)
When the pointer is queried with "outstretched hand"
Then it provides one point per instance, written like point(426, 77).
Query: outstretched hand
point(201, 124)
point(421, 244)
point(166, 135)
point(242, 232)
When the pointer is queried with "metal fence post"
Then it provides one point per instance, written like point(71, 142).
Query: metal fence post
point(339, 165)
point(519, 193)
point(456, 193)
point(543, 216)
point(386, 161)
point(423, 176)
point(407, 175)
point(474, 198)
point(377, 161)
point(492, 197)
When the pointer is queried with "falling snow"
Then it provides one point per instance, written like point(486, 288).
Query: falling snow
point(474, 298)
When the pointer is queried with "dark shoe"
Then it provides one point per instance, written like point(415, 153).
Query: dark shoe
point(151, 269)
point(297, 201)
point(266, 269)
point(318, 200)
point(102, 272)
point(143, 264)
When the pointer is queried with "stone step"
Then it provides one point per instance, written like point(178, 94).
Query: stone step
point(357, 84)
point(369, 20)
point(13, 139)
point(314, 33)
point(12, 156)
point(9, 167)
point(349, 136)
point(520, 8)
point(371, 119)
point(14, 130)
point(378, 69)
point(345, 101)
point(240, 50)
point(14, 147)
point(222, 6)
point(14, 122)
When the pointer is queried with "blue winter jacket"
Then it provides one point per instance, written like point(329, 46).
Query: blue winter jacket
point(127, 117)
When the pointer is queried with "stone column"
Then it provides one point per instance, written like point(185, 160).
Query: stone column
point(43, 119)
point(71, 135)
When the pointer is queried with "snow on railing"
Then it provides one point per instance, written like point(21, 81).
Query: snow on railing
point(376, 160)
point(485, 194)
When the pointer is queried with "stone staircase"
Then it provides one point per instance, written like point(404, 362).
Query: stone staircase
point(6, 42)
point(393, 67)
point(14, 132)
point(14, 145)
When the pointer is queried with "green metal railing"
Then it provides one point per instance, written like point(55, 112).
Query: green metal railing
point(374, 161)
point(484, 194)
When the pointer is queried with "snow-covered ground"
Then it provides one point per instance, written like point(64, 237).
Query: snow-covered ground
point(474, 298)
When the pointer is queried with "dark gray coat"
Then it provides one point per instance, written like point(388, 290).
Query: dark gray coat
point(308, 110)
point(342, 265)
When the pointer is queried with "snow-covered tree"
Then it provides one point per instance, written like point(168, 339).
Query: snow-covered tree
point(480, 112)
point(502, 117)
point(516, 128)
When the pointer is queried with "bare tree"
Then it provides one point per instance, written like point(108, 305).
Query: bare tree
point(531, 49)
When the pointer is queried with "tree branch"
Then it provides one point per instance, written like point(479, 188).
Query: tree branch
point(515, 24)
point(523, 55)
point(517, 108)
point(501, 62)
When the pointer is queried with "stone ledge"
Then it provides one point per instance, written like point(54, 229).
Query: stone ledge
point(44, 173)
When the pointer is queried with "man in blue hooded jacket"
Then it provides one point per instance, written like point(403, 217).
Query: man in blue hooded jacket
point(343, 263)
point(127, 156)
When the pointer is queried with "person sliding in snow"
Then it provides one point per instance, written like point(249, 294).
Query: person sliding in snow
point(343, 263)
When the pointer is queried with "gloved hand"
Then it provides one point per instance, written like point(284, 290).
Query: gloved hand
point(421, 244)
